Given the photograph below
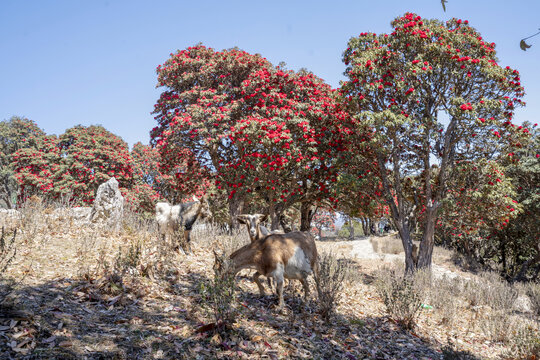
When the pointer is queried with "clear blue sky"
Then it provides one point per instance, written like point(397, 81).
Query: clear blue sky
point(64, 63)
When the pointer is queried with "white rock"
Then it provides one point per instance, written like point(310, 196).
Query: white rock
point(108, 206)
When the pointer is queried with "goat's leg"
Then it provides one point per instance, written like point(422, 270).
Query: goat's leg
point(306, 288)
point(187, 241)
point(258, 282)
point(279, 289)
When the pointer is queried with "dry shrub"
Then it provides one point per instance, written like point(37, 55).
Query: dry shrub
point(499, 326)
point(533, 292)
point(218, 294)
point(86, 248)
point(32, 219)
point(525, 344)
point(212, 237)
point(8, 250)
point(491, 290)
point(442, 293)
point(146, 253)
point(330, 282)
point(401, 295)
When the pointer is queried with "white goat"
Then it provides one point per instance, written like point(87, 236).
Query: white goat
point(171, 218)
point(279, 256)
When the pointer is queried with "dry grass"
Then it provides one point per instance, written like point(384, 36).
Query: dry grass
point(490, 290)
point(84, 291)
point(387, 245)
point(533, 292)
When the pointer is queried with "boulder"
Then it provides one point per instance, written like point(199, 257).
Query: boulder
point(108, 208)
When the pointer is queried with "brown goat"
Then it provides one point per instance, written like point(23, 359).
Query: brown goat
point(279, 256)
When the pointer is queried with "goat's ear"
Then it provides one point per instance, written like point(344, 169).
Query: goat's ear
point(263, 218)
point(241, 219)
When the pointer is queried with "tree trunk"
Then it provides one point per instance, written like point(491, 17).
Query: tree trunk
point(405, 235)
point(426, 246)
point(275, 216)
point(236, 207)
point(306, 214)
point(351, 229)
point(365, 226)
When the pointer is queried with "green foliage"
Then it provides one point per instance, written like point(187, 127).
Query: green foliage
point(345, 229)
point(519, 249)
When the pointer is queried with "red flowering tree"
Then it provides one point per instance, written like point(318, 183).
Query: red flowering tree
point(15, 134)
point(91, 156)
point(37, 168)
point(74, 164)
point(516, 246)
point(402, 86)
point(148, 182)
point(196, 114)
point(289, 144)
point(255, 130)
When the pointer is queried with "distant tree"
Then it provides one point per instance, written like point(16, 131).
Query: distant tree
point(399, 86)
point(149, 185)
point(15, 134)
point(324, 219)
point(360, 195)
point(38, 168)
point(74, 164)
point(91, 156)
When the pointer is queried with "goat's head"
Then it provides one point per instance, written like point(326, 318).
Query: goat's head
point(252, 222)
point(203, 206)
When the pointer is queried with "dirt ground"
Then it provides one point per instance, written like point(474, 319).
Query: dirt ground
point(61, 304)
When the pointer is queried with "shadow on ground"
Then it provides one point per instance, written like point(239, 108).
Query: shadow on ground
point(69, 319)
